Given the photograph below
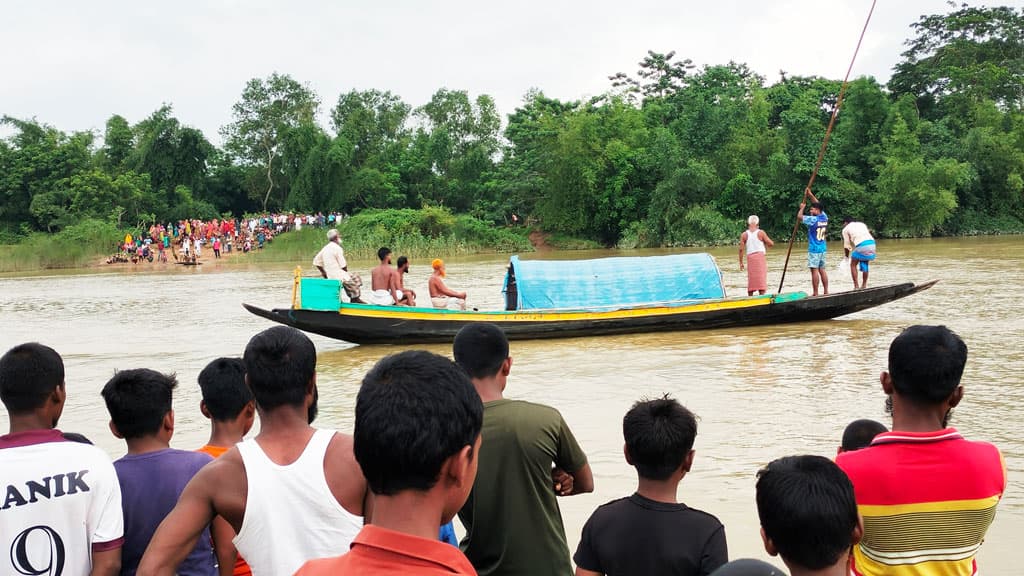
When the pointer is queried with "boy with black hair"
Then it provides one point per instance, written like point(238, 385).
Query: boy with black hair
point(651, 532)
point(513, 524)
point(924, 468)
point(62, 505)
point(292, 493)
point(417, 440)
point(229, 404)
point(808, 515)
point(152, 475)
point(859, 434)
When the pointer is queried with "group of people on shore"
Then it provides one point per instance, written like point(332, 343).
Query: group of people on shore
point(435, 438)
point(858, 246)
point(387, 283)
point(186, 239)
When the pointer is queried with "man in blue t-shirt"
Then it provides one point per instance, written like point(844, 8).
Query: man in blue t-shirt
point(817, 224)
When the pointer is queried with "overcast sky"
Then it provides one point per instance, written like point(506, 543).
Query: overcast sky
point(74, 63)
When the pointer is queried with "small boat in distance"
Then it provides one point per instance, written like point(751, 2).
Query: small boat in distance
point(621, 295)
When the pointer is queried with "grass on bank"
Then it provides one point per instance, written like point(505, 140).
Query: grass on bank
point(425, 233)
point(76, 246)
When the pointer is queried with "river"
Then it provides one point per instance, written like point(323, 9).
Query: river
point(760, 393)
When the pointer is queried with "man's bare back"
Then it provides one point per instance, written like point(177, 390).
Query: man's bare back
point(380, 277)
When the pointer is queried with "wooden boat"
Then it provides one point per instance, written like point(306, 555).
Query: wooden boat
point(370, 324)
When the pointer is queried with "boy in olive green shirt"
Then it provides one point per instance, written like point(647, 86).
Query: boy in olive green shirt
point(513, 524)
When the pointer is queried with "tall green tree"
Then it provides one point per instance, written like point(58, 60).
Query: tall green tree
point(973, 53)
point(268, 109)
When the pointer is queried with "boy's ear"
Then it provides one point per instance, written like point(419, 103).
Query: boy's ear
point(769, 546)
point(506, 366)
point(625, 452)
point(205, 410)
point(858, 531)
point(688, 460)
point(113, 430)
point(168, 422)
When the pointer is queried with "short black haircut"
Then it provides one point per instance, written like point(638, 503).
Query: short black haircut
point(280, 363)
point(859, 434)
point(414, 410)
point(807, 508)
point(818, 205)
point(138, 400)
point(659, 434)
point(848, 219)
point(383, 253)
point(225, 392)
point(926, 363)
point(29, 373)
point(480, 348)
point(401, 261)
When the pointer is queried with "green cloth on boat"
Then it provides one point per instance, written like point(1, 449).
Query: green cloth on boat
point(513, 523)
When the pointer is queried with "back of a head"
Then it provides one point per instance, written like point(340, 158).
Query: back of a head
point(659, 434)
point(926, 364)
point(818, 205)
point(747, 567)
point(29, 373)
point(382, 253)
point(807, 509)
point(279, 363)
point(414, 410)
point(859, 434)
point(138, 400)
point(480, 348)
point(225, 392)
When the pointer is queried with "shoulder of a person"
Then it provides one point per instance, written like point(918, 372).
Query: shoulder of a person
point(703, 516)
point(534, 408)
point(611, 508)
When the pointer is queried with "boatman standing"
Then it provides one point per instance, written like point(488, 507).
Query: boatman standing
point(330, 260)
point(754, 242)
point(817, 225)
point(859, 246)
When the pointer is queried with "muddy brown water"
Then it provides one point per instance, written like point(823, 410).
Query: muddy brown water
point(760, 392)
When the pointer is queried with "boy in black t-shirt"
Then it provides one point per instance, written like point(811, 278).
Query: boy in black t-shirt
point(650, 532)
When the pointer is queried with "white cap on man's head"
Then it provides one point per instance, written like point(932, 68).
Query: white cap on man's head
point(332, 234)
point(753, 219)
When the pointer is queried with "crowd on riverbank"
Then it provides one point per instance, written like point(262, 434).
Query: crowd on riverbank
point(186, 240)
point(435, 438)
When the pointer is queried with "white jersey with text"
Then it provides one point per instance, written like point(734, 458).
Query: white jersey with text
point(61, 501)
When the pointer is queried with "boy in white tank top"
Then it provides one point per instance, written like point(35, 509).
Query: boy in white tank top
point(292, 493)
point(417, 440)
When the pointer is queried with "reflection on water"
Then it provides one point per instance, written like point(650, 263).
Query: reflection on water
point(760, 392)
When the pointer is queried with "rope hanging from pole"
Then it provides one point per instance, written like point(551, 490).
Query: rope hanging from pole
point(824, 142)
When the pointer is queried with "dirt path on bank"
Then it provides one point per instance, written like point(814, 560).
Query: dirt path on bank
point(539, 240)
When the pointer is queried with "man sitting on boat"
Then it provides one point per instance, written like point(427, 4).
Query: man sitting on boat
point(440, 294)
point(382, 281)
point(403, 296)
point(330, 260)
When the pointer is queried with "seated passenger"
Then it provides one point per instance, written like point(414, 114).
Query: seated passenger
point(441, 296)
point(381, 281)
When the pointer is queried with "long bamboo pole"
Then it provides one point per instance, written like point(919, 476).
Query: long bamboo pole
point(824, 142)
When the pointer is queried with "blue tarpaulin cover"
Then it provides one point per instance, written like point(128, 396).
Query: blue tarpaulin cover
point(614, 282)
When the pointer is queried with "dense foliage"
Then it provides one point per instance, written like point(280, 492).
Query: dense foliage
point(674, 154)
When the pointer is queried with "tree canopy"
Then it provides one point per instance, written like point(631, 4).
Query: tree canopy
point(673, 154)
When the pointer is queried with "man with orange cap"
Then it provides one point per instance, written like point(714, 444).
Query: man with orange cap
point(441, 294)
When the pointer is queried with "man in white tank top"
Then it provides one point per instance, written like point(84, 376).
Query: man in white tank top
point(292, 493)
